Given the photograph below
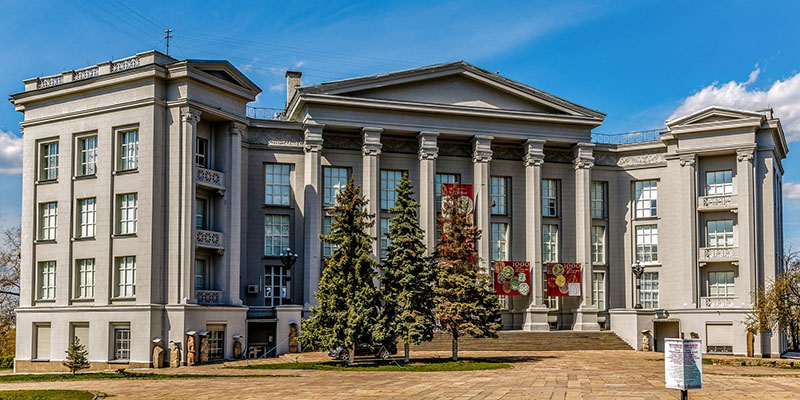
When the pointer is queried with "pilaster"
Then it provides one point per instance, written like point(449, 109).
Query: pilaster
point(481, 156)
point(234, 233)
point(428, 151)
point(586, 314)
point(312, 213)
point(536, 312)
point(688, 180)
point(189, 120)
point(745, 192)
point(371, 150)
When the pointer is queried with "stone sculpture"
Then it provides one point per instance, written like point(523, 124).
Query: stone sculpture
point(646, 340)
point(174, 355)
point(237, 349)
point(204, 349)
point(293, 346)
point(191, 352)
point(158, 357)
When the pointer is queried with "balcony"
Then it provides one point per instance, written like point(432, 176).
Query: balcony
point(211, 179)
point(210, 240)
point(209, 297)
point(718, 302)
point(719, 254)
point(725, 202)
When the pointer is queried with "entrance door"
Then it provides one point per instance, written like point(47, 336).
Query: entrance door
point(260, 339)
point(663, 330)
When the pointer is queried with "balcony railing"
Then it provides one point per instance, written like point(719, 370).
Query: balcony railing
point(263, 112)
point(208, 297)
point(652, 135)
point(717, 203)
point(718, 302)
point(210, 178)
point(210, 239)
point(719, 254)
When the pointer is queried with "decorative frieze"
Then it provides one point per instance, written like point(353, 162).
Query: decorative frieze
point(636, 160)
point(399, 145)
point(506, 152)
point(342, 142)
point(558, 156)
point(455, 149)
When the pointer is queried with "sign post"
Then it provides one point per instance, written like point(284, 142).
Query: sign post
point(683, 365)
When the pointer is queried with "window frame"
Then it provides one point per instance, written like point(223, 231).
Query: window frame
point(649, 290)
point(651, 249)
point(48, 223)
point(499, 241)
point(49, 160)
point(645, 196)
point(85, 278)
point(283, 223)
point(86, 157)
point(327, 247)
point(598, 247)
point(719, 189)
point(216, 342)
point(284, 280)
point(86, 226)
point(129, 262)
point(437, 188)
point(46, 280)
point(552, 255)
point(127, 214)
point(598, 198)
point(330, 190)
point(204, 275)
point(498, 195)
point(384, 241)
point(388, 193)
point(127, 151)
point(201, 214)
point(599, 290)
point(726, 237)
point(550, 198)
point(284, 184)
point(121, 342)
point(729, 287)
point(201, 152)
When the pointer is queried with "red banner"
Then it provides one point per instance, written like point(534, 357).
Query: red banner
point(512, 278)
point(462, 193)
point(564, 279)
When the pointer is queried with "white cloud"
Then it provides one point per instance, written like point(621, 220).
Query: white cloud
point(278, 87)
point(791, 190)
point(783, 96)
point(10, 153)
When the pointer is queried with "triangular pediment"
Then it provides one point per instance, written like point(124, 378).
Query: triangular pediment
point(712, 115)
point(456, 84)
point(224, 71)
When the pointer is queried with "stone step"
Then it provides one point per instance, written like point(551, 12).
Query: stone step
point(530, 341)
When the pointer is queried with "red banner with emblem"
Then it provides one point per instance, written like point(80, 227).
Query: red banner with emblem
point(564, 279)
point(512, 278)
point(462, 193)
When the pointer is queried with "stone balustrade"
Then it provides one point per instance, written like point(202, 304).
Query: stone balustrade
point(719, 254)
point(210, 178)
point(210, 239)
point(718, 302)
point(717, 203)
point(85, 73)
point(208, 297)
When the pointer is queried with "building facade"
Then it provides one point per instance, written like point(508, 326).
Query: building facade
point(156, 204)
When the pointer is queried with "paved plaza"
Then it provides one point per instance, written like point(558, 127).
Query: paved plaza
point(540, 375)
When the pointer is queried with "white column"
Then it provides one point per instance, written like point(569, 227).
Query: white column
point(586, 314)
point(428, 151)
point(312, 212)
point(189, 119)
point(481, 156)
point(536, 313)
point(371, 149)
point(234, 182)
point(689, 239)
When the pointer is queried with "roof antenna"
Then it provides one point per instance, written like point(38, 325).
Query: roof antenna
point(167, 36)
point(497, 72)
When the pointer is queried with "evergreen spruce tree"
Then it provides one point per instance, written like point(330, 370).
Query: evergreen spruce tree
point(348, 300)
point(77, 357)
point(465, 301)
point(408, 277)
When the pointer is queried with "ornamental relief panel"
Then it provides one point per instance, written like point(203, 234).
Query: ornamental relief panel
point(505, 152)
point(343, 142)
point(558, 156)
point(605, 159)
point(641, 159)
point(400, 145)
point(455, 149)
point(274, 138)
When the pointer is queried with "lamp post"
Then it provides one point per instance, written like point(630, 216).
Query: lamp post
point(288, 258)
point(637, 268)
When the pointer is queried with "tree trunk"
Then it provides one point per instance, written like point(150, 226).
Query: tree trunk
point(405, 350)
point(352, 355)
point(455, 345)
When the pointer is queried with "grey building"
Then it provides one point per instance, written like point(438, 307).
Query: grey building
point(156, 203)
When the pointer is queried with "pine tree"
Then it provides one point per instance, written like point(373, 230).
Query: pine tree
point(77, 357)
point(409, 277)
point(465, 301)
point(348, 300)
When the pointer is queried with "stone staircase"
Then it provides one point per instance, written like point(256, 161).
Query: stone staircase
point(530, 341)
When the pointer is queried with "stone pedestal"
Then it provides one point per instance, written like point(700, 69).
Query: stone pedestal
point(289, 316)
point(536, 319)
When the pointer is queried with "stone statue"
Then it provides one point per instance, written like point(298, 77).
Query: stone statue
point(237, 349)
point(204, 349)
point(646, 340)
point(158, 357)
point(174, 355)
point(191, 352)
point(293, 347)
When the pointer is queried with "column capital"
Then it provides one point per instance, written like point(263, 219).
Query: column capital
point(372, 141)
point(237, 128)
point(583, 155)
point(190, 115)
point(428, 150)
point(688, 160)
point(312, 136)
point(482, 148)
point(745, 154)
point(534, 152)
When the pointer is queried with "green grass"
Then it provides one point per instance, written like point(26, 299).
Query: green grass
point(706, 361)
point(430, 365)
point(114, 375)
point(46, 395)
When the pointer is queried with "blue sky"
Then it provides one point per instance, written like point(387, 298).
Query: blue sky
point(639, 62)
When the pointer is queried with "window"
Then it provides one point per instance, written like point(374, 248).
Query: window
point(128, 150)
point(122, 342)
point(276, 234)
point(201, 214)
point(598, 196)
point(599, 290)
point(85, 278)
point(549, 198)
point(646, 198)
point(276, 285)
point(216, 342)
point(499, 241)
point(549, 243)
point(333, 182)
point(498, 195)
point(87, 159)
point(276, 184)
point(126, 276)
point(720, 284)
point(42, 350)
point(649, 290)
point(49, 162)
point(48, 220)
point(200, 274)
point(80, 331)
point(385, 242)
point(647, 243)
point(437, 189)
point(719, 338)
point(719, 182)
point(86, 217)
point(598, 244)
point(47, 280)
point(201, 153)
point(128, 213)
point(550, 301)
point(389, 181)
point(327, 247)
point(720, 233)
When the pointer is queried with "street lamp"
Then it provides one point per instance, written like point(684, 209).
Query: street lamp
point(638, 269)
point(288, 258)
